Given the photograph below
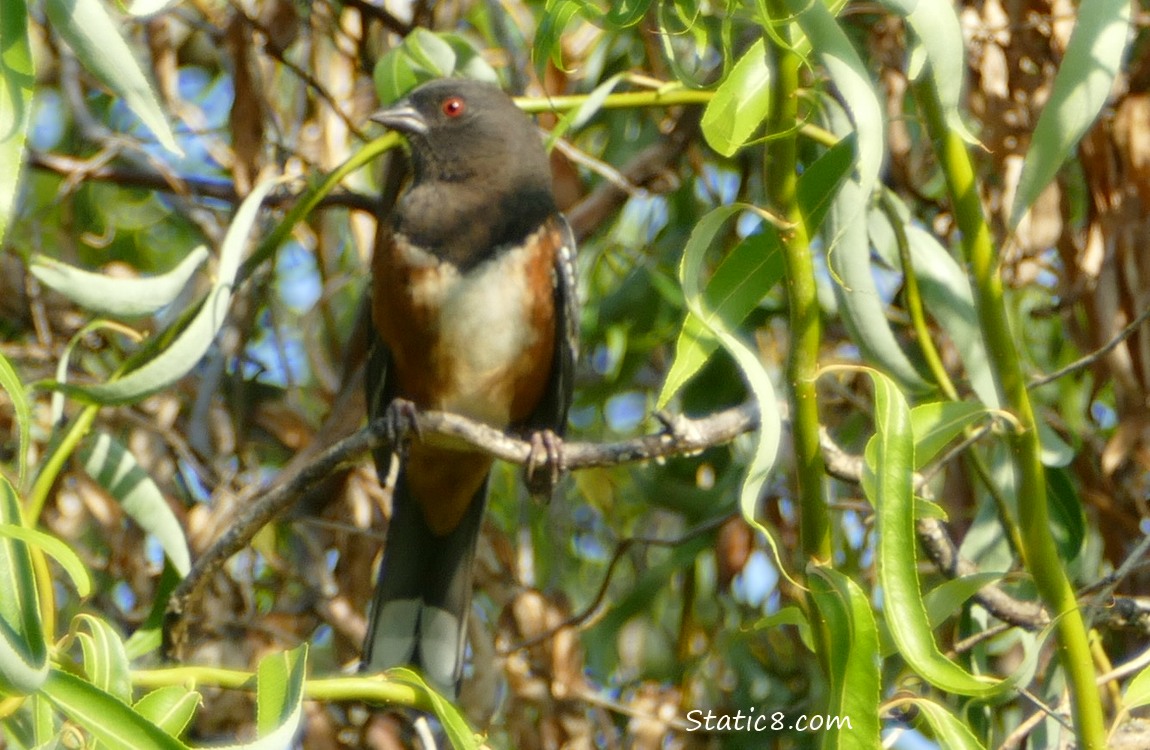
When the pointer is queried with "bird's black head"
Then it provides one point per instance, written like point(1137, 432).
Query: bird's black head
point(459, 128)
point(482, 176)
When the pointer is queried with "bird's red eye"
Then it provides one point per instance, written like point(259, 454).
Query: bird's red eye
point(453, 106)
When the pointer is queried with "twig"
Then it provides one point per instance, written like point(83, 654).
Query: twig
point(1094, 356)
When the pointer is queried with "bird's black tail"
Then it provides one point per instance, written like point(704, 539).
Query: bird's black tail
point(423, 594)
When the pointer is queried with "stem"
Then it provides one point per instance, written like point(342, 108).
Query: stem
point(1039, 553)
point(805, 329)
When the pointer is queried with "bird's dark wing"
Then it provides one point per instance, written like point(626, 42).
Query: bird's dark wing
point(551, 413)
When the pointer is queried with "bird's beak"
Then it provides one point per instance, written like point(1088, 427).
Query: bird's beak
point(403, 117)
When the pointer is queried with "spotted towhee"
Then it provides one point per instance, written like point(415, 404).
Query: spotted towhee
point(475, 312)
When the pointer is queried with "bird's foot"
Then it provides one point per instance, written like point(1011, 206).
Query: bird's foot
point(546, 462)
point(400, 419)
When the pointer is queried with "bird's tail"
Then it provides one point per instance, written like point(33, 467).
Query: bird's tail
point(423, 594)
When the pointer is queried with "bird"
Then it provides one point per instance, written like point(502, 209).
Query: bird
point(475, 309)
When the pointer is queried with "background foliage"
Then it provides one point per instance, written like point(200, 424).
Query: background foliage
point(907, 237)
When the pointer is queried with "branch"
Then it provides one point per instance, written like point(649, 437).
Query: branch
point(681, 436)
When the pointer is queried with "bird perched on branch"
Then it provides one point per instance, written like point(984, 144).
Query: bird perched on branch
point(474, 311)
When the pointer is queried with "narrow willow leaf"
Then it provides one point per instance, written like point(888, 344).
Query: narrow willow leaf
point(741, 103)
point(94, 37)
point(938, 37)
point(949, 730)
point(789, 615)
point(770, 424)
point(454, 724)
point(948, 597)
point(946, 292)
point(937, 423)
point(114, 468)
point(279, 689)
point(852, 645)
point(625, 14)
point(171, 708)
point(577, 117)
point(105, 661)
point(1067, 519)
point(16, 83)
point(117, 297)
point(54, 548)
point(429, 51)
point(863, 311)
point(1137, 692)
point(820, 182)
point(887, 484)
point(829, 43)
point(106, 717)
point(1081, 87)
point(193, 342)
point(549, 36)
point(23, 650)
point(12, 384)
point(738, 285)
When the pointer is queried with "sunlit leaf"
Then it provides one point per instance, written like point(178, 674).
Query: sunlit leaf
point(738, 285)
point(114, 468)
point(106, 717)
point(1081, 87)
point(819, 183)
point(279, 694)
point(887, 484)
point(193, 342)
point(23, 650)
point(105, 661)
point(12, 385)
point(852, 646)
point(951, 732)
point(937, 423)
point(741, 103)
point(454, 724)
point(171, 707)
point(94, 37)
point(16, 83)
point(117, 297)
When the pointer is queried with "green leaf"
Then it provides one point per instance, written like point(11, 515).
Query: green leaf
point(171, 708)
point(105, 716)
point(1137, 692)
point(950, 731)
point(17, 79)
point(55, 548)
point(625, 13)
point(789, 615)
point(105, 660)
point(95, 39)
point(1082, 86)
point(193, 342)
point(946, 293)
point(738, 285)
point(887, 484)
point(939, 43)
point(579, 116)
point(1067, 519)
point(426, 55)
point(770, 424)
point(948, 597)
point(937, 423)
point(820, 182)
point(863, 311)
point(117, 297)
point(852, 644)
point(459, 734)
point(279, 693)
point(12, 384)
point(834, 50)
point(114, 468)
point(741, 103)
point(23, 650)
point(549, 35)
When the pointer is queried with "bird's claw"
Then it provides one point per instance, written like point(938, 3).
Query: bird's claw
point(400, 419)
point(546, 452)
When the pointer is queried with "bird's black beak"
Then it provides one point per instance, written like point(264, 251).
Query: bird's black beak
point(403, 117)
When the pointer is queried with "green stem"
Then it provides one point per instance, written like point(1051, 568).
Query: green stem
point(1040, 555)
point(805, 329)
